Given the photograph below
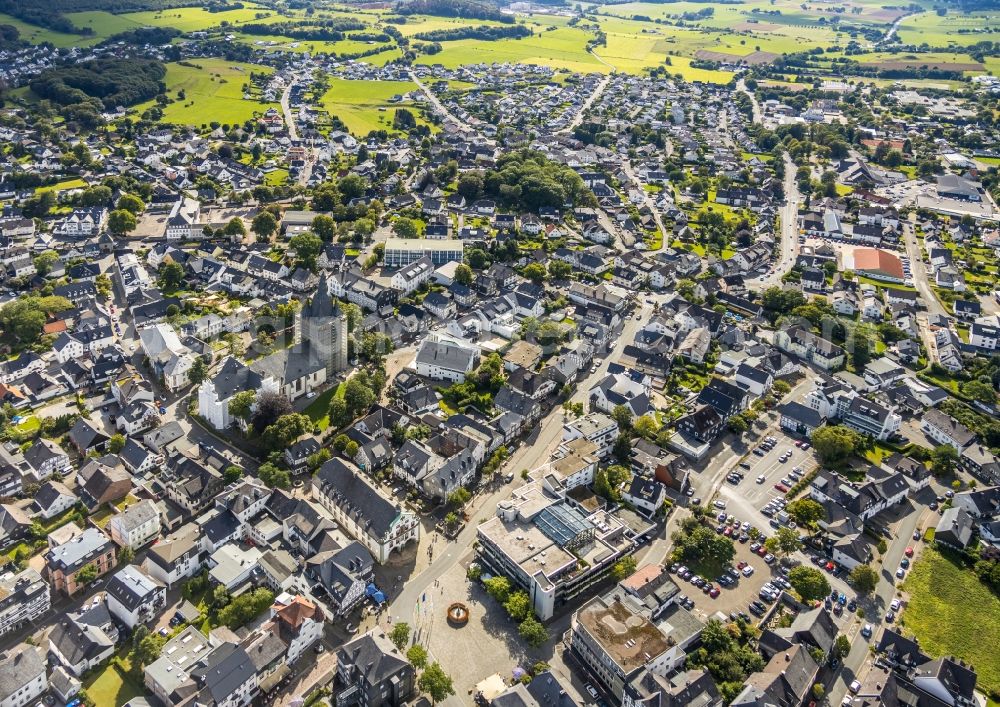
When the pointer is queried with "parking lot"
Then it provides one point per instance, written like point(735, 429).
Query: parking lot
point(746, 498)
point(738, 595)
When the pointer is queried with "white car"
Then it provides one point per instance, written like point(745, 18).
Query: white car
point(895, 604)
point(719, 504)
point(855, 686)
point(591, 689)
point(748, 570)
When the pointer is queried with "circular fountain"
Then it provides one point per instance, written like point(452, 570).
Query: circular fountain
point(458, 614)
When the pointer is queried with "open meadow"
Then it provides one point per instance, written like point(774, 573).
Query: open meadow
point(213, 91)
point(364, 106)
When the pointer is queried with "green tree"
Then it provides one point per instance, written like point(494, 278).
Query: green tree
point(976, 389)
point(436, 683)
point(358, 395)
point(130, 203)
point(463, 274)
point(352, 186)
point(324, 226)
point(351, 450)
point(785, 541)
point(459, 497)
point(518, 605)
point(841, 646)
point(400, 634)
point(623, 416)
point(241, 404)
point(864, 579)
point(198, 371)
point(809, 582)
point(646, 426)
point(121, 222)
point(835, 443)
point(944, 459)
point(534, 272)
point(96, 196)
point(44, 262)
point(307, 247)
point(116, 444)
point(806, 511)
point(86, 574)
point(738, 424)
point(285, 430)
point(264, 225)
point(235, 227)
point(232, 474)
point(498, 588)
point(405, 227)
point(533, 632)
point(171, 276)
point(273, 477)
point(417, 655)
point(560, 269)
point(625, 567)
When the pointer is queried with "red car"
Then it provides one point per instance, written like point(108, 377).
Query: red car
point(714, 593)
point(829, 566)
point(781, 487)
point(762, 551)
point(740, 565)
point(908, 552)
point(728, 531)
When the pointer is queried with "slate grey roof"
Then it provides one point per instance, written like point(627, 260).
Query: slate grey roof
point(223, 671)
point(132, 587)
point(18, 667)
point(336, 480)
point(234, 377)
point(456, 358)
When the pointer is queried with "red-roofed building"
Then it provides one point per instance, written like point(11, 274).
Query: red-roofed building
point(878, 265)
point(297, 622)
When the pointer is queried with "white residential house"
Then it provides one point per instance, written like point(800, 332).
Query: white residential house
point(134, 597)
point(410, 277)
point(23, 676)
point(136, 526)
point(945, 429)
point(445, 360)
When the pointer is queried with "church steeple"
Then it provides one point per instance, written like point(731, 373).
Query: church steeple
point(322, 326)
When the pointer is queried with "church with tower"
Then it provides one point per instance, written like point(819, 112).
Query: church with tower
point(318, 351)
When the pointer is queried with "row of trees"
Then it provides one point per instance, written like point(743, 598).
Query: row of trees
point(517, 604)
point(433, 679)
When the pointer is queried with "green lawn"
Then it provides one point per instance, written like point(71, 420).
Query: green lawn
point(111, 687)
point(213, 91)
point(319, 409)
point(65, 185)
point(364, 106)
point(953, 613)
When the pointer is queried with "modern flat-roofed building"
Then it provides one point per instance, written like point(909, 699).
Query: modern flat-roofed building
point(403, 251)
point(615, 643)
point(552, 549)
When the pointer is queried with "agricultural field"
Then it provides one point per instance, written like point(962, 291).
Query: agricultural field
point(194, 19)
point(282, 43)
point(38, 35)
point(954, 29)
point(560, 48)
point(214, 91)
point(364, 106)
point(103, 24)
